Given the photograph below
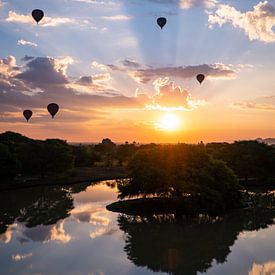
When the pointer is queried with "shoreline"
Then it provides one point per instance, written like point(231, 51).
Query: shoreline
point(86, 174)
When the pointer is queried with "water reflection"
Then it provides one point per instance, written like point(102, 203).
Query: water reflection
point(33, 207)
point(182, 246)
point(68, 230)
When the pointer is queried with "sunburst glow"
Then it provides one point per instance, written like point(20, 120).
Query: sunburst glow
point(169, 122)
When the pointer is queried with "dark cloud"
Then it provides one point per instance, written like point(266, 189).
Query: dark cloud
point(44, 70)
point(27, 58)
point(44, 80)
point(130, 63)
point(85, 80)
point(215, 71)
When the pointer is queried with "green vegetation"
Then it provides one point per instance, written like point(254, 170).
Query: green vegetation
point(183, 172)
point(28, 162)
point(198, 178)
point(205, 177)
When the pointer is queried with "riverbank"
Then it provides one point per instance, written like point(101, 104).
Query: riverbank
point(78, 175)
point(187, 206)
point(156, 206)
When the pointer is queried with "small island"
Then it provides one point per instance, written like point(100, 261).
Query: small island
point(195, 179)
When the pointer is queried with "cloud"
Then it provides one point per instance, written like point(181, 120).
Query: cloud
point(130, 63)
point(8, 66)
point(107, 3)
point(266, 268)
point(169, 97)
point(187, 4)
point(217, 70)
point(44, 79)
point(7, 236)
point(58, 233)
point(255, 106)
point(47, 233)
point(101, 77)
point(91, 84)
point(45, 22)
point(20, 257)
point(257, 24)
point(48, 70)
point(27, 58)
point(120, 17)
point(26, 43)
point(92, 214)
point(99, 66)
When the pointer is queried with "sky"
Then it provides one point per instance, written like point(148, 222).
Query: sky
point(115, 73)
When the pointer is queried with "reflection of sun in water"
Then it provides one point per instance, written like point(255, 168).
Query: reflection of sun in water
point(169, 122)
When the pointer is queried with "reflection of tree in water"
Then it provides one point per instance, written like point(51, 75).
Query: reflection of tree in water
point(180, 246)
point(50, 205)
point(36, 206)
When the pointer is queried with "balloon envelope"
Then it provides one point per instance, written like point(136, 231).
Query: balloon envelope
point(37, 15)
point(200, 78)
point(53, 109)
point(27, 114)
point(161, 21)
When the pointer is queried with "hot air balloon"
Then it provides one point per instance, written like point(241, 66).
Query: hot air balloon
point(161, 22)
point(200, 78)
point(27, 114)
point(37, 15)
point(53, 109)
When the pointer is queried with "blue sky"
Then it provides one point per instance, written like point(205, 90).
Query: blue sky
point(118, 44)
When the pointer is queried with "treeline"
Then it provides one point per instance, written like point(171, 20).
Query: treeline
point(196, 178)
point(24, 157)
point(20, 155)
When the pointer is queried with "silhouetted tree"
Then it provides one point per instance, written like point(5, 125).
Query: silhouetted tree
point(186, 246)
point(175, 171)
point(8, 164)
point(248, 159)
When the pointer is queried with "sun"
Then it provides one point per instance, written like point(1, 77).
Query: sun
point(169, 122)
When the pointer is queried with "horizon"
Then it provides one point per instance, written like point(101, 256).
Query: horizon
point(269, 141)
point(115, 73)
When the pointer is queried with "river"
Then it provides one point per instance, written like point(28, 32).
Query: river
point(68, 230)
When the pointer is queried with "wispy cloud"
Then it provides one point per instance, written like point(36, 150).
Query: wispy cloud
point(258, 24)
point(46, 21)
point(23, 42)
point(187, 4)
point(254, 106)
point(20, 257)
point(217, 70)
point(100, 2)
point(120, 17)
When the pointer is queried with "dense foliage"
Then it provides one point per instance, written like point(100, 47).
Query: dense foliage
point(180, 171)
point(250, 160)
point(21, 155)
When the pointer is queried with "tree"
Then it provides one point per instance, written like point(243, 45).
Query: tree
point(248, 159)
point(177, 171)
point(85, 156)
point(8, 164)
point(52, 156)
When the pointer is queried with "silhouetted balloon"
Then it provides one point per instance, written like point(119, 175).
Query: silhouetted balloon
point(53, 109)
point(161, 21)
point(37, 15)
point(27, 114)
point(200, 78)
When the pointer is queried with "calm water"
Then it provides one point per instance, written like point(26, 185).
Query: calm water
point(69, 231)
